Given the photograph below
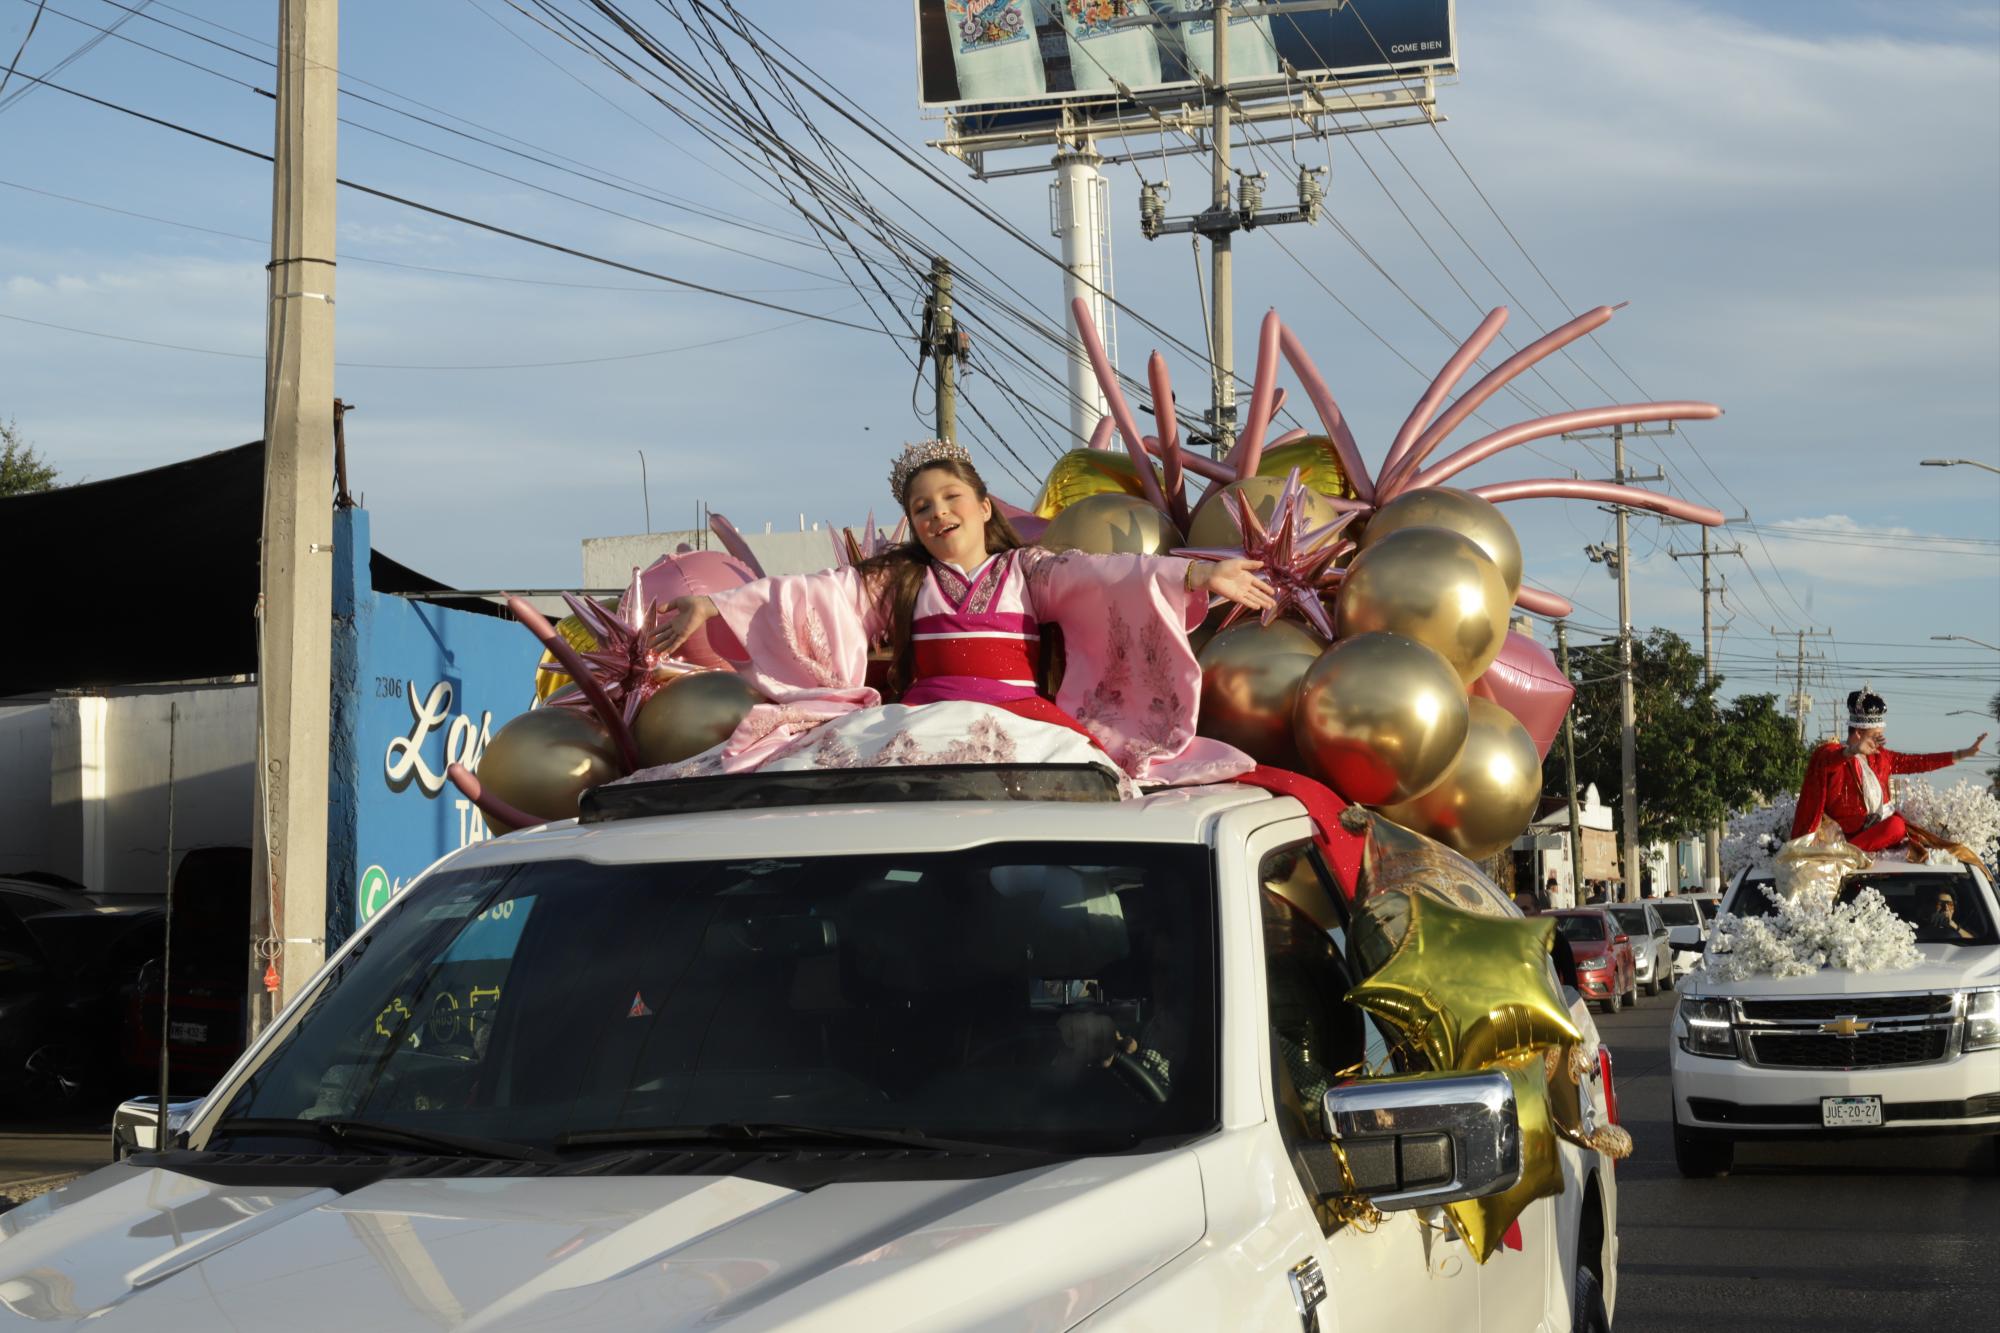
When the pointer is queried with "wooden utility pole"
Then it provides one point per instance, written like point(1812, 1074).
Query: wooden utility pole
point(944, 345)
point(1569, 772)
point(295, 603)
point(1711, 864)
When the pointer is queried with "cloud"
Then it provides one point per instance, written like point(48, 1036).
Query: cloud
point(1851, 562)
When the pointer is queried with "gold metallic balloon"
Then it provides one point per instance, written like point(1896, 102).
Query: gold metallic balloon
point(1463, 989)
point(1250, 677)
point(544, 760)
point(690, 714)
point(1434, 586)
point(1396, 860)
point(1484, 1222)
point(1380, 718)
point(579, 637)
point(1111, 525)
point(1318, 464)
point(1199, 637)
point(1213, 525)
point(1082, 473)
point(1490, 794)
point(1462, 512)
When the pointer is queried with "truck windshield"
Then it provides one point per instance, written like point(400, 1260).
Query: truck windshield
point(1677, 912)
point(1054, 996)
point(1945, 906)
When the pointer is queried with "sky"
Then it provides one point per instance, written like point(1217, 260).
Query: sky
point(1799, 198)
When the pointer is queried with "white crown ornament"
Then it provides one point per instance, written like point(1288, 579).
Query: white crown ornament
point(921, 455)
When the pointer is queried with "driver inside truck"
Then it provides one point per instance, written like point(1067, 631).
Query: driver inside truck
point(1944, 917)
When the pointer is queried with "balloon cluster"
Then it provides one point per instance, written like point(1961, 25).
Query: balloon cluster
point(1388, 669)
point(1466, 984)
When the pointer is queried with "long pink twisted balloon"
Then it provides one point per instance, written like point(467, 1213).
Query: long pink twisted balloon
point(1168, 445)
point(1565, 488)
point(1447, 380)
point(1330, 414)
point(1249, 450)
point(600, 702)
point(468, 782)
point(1121, 411)
point(1494, 381)
point(1543, 427)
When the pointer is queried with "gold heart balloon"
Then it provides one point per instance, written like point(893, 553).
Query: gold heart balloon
point(1484, 1222)
point(1460, 511)
point(1432, 585)
point(1380, 718)
point(1111, 525)
point(692, 713)
point(546, 759)
point(1250, 678)
point(1491, 792)
point(1462, 989)
point(1213, 525)
point(1318, 464)
point(1082, 473)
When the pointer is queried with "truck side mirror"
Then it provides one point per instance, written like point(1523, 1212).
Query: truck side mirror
point(135, 1125)
point(1421, 1140)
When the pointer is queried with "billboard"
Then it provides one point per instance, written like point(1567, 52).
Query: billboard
point(990, 54)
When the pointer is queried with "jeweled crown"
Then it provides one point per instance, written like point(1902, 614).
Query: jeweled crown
point(1866, 709)
point(920, 455)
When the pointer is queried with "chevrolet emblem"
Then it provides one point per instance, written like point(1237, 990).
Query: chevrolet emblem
point(1845, 1026)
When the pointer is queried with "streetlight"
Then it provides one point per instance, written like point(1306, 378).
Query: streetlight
point(1953, 462)
point(1963, 639)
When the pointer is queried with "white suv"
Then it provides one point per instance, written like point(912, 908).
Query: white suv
point(1846, 1053)
point(894, 1049)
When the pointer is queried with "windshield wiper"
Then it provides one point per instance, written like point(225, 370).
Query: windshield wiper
point(359, 1132)
point(742, 1133)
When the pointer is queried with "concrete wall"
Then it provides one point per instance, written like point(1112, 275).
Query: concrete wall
point(83, 781)
point(608, 561)
point(24, 787)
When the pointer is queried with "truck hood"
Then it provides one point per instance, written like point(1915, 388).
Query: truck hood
point(131, 1248)
point(1945, 967)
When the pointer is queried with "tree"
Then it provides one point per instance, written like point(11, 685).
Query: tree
point(1699, 761)
point(22, 470)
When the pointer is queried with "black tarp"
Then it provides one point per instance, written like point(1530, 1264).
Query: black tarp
point(147, 577)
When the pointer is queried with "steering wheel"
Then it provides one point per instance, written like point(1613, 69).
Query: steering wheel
point(1132, 1071)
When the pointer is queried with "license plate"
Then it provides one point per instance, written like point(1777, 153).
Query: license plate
point(1842, 1112)
point(192, 1032)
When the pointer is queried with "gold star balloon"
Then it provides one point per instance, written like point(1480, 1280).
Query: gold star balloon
point(1465, 989)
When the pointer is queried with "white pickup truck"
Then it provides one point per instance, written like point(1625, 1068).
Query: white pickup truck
point(895, 1049)
point(1841, 1053)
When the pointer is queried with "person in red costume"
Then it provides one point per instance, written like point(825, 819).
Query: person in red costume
point(1849, 782)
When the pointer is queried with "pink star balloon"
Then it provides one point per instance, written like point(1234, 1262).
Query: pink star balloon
point(624, 664)
point(1298, 560)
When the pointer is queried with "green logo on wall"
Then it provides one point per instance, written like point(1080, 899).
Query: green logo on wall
point(375, 891)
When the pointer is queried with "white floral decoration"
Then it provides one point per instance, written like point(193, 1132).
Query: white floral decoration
point(1754, 837)
point(1811, 931)
point(1964, 812)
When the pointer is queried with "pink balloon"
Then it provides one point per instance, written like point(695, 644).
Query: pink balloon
point(1565, 488)
point(1526, 681)
point(1025, 523)
point(695, 574)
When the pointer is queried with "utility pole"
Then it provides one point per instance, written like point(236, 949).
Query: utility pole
point(1711, 861)
point(295, 602)
point(1079, 215)
point(944, 344)
point(1800, 701)
point(1628, 723)
point(1569, 772)
point(1221, 337)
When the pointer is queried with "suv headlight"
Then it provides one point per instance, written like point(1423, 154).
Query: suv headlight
point(1708, 1031)
point(1982, 1020)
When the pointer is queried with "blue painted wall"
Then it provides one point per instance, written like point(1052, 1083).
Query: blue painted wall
point(415, 687)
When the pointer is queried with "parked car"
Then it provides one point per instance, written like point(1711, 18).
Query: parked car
point(870, 1050)
point(1837, 1053)
point(1686, 926)
point(1652, 955)
point(62, 973)
point(207, 1027)
point(1606, 968)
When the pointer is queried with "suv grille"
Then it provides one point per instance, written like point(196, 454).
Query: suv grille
point(1857, 1006)
point(1817, 1050)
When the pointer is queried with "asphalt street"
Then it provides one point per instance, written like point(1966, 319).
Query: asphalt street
point(1886, 1235)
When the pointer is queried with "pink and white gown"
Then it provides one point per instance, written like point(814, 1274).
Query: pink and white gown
point(1129, 694)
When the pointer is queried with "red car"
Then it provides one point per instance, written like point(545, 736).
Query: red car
point(1606, 970)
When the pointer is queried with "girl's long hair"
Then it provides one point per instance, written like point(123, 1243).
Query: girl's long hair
point(900, 571)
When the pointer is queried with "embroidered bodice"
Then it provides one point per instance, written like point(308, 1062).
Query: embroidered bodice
point(974, 636)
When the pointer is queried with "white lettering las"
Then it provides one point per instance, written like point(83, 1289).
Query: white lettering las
point(464, 741)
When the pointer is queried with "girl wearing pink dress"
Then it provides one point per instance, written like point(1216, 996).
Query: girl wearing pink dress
point(962, 606)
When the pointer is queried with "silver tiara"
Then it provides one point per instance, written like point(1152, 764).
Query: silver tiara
point(921, 455)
